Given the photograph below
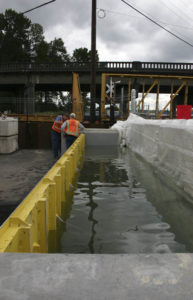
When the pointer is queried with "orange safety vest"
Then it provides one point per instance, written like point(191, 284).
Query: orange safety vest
point(72, 127)
point(57, 126)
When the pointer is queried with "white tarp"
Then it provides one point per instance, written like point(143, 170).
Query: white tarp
point(167, 144)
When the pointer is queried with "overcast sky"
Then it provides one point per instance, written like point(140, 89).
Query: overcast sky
point(122, 33)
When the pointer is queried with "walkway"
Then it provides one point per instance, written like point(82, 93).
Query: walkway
point(19, 173)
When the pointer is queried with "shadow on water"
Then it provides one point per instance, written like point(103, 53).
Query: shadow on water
point(123, 205)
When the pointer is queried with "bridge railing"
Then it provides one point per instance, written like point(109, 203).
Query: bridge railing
point(166, 66)
point(100, 67)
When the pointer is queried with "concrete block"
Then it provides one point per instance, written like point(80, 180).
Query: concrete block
point(101, 137)
point(8, 144)
point(8, 127)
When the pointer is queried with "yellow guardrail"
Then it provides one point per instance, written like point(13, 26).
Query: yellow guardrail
point(33, 224)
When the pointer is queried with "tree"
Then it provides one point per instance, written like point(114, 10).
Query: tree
point(42, 50)
point(36, 38)
point(58, 51)
point(14, 37)
point(82, 55)
point(23, 41)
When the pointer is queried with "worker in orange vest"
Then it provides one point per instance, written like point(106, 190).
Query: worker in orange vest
point(71, 129)
point(56, 135)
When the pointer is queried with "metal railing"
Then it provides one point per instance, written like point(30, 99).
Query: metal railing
point(100, 67)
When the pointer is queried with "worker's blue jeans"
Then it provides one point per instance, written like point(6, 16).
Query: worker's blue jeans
point(56, 143)
point(70, 140)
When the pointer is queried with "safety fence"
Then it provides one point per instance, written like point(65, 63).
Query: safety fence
point(32, 226)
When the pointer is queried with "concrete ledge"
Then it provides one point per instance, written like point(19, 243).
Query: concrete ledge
point(102, 137)
point(81, 276)
point(8, 144)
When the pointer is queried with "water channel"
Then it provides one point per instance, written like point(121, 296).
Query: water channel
point(123, 205)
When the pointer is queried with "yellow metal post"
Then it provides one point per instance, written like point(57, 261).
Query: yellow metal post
point(77, 103)
point(171, 104)
point(143, 92)
point(103, 94)
point(172, 98)
point(149, 90)
point(41, 225)
point(186, 94)
point(157, 100)
point(58, 194)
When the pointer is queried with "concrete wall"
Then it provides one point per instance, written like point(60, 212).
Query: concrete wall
point(168, 145)
point(102, 137)
point(95, 137)
point(8, 135)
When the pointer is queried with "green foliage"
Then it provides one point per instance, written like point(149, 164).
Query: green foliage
point(14, 32)
point(82, 55)
point(58, 51)
point(22, 41)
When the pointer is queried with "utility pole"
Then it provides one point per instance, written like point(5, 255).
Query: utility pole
point(93, 63)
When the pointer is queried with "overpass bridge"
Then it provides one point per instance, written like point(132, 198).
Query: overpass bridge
point(21, 80)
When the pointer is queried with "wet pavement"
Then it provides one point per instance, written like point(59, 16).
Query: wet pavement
point(19, 173)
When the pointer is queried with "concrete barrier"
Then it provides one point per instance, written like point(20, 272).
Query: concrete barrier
point(102, 137)
point(95, 137)
point(167, 145)
point(32, 226)
point(8, 135)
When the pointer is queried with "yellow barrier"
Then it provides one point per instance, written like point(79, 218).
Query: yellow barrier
point(32, 226)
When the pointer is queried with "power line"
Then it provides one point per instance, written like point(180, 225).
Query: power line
point(104, 11)
point(179, 15)
point(38, 6)
point(156, 23)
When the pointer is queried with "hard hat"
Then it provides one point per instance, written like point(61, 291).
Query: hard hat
point(72, 115)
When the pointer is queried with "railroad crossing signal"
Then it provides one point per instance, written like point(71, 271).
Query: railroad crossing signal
point(110, 88)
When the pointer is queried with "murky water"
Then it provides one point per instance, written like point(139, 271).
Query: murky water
point(122, 205)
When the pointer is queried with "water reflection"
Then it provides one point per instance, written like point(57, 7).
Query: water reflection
point(122, 205)
point(93, 221)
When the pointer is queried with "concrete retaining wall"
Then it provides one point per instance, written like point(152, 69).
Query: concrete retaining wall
point(95, 137)
point(8, 135)
point(168, 145)
point(102, 137)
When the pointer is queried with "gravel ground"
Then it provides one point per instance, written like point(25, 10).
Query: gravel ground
point(19, 173)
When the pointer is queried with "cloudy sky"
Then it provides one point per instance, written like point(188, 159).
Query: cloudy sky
point(122, 33)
